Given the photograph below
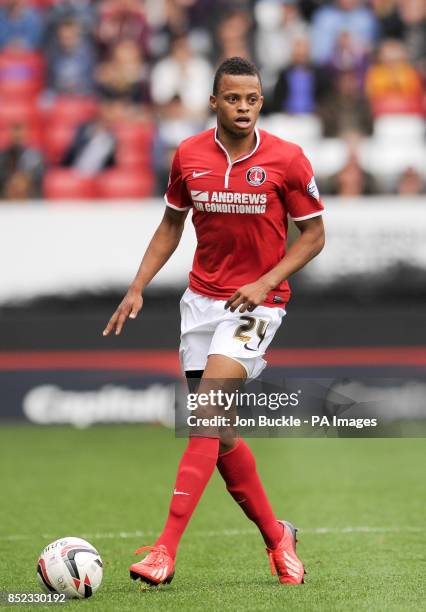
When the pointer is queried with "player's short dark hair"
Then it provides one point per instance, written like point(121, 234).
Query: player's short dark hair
point(235, 66)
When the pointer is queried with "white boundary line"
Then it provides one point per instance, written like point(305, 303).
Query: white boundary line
point(128, 535)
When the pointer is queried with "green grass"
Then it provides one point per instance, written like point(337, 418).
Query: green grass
point(106, 480)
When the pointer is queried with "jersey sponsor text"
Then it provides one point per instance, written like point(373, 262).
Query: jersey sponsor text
point(230, 202)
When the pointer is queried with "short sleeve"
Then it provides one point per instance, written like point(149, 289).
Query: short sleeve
point(302, 197)
point(176, 195)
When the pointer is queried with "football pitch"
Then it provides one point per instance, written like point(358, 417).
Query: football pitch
point(360, 505)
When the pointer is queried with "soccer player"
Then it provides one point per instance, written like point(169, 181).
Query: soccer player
point(240, 183)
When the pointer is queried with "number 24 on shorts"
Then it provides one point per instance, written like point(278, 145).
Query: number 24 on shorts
point(250, 323)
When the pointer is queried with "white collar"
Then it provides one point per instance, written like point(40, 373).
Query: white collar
point(217, 141)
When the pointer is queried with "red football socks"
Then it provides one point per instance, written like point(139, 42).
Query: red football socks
point(238, 469)
point(195, 469)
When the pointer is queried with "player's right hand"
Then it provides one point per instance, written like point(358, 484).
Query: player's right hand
point(128, 309)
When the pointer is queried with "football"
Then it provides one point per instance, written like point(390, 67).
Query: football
point(70, 566)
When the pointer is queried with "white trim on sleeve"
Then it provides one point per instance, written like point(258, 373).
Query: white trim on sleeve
point(315, 214)
point(175, 207)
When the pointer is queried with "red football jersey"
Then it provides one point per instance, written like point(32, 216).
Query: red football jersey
point(240, 209)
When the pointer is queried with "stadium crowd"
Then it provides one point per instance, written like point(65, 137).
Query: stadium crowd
point(96, 95)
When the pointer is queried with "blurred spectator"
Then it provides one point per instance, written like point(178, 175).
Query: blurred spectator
point(300, 86)
point(344, 109)
point(233, 36)
point(330, 20)
point(21, 167)
point(174, 125)
point(393, 80)
point(349, 54)
point(406, 21)
point(125, 74)
point(20, 25)
point(82, 11)
point(280, 25)
point(200, 30)
point(122, 20)
point(181, 17)
point(94, 144)
point(410, 183)
point(413, 17)
point(172, 21)
point(71, 61)
point(182, 74)
point(351, 181)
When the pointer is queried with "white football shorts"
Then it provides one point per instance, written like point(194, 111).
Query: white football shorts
point(208, 329)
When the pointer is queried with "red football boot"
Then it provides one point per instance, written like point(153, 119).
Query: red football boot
point(283, 559)
point(157, 568)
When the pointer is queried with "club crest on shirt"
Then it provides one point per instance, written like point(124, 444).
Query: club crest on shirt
point(312, 188)
point(256, 176)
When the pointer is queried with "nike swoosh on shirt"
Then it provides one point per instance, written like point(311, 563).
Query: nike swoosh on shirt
point(248, 348)
point(175, 492)
point(197, 174)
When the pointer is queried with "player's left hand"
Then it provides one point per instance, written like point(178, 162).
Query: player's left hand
point(248, 297)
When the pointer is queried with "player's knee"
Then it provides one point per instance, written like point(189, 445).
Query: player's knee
point(227, 443)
